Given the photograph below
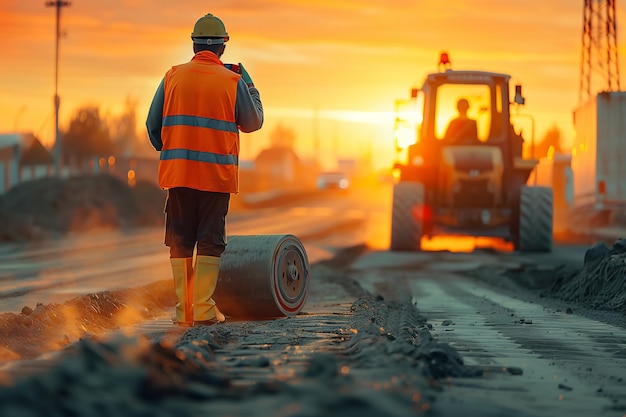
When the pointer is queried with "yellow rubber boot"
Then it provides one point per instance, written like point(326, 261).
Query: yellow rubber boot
point(205, 280)
point(182, 270)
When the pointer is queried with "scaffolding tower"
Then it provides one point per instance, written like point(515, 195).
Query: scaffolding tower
point(599, 63)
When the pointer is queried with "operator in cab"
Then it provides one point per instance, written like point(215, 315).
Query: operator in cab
point(462, 130)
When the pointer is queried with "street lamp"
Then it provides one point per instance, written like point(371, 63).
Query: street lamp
point(532, 138)
point(57, 100)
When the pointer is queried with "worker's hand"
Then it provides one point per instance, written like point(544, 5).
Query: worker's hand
point(245, 75)
point(239, 69)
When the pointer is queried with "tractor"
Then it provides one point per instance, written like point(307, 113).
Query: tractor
point(460, 167)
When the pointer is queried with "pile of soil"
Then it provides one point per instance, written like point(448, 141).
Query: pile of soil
point(52, 207)
point(601, 283)
point(51, 327)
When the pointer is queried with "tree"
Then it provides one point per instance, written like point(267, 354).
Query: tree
point(124, 133)
point(282, 137)
point(87, 135)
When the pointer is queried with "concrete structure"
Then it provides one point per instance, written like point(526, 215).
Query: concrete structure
point(22, 157)
point(598, 152)
point(9, 161)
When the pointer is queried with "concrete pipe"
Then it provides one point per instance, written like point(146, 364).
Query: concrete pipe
point(262, 276)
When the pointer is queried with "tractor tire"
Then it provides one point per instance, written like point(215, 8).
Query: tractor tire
point(406, 228)
point(535, 219)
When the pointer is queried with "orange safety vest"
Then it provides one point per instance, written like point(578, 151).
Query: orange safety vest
point(200, 135)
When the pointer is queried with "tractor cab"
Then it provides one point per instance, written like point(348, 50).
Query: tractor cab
point(454, 138)
point(465, 108)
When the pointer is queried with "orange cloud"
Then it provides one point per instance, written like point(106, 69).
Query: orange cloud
point(330, 55)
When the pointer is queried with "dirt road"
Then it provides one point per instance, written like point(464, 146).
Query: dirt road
point(483, 333)
point(382, 335)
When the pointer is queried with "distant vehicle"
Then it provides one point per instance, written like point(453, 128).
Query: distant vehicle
point(333, 181)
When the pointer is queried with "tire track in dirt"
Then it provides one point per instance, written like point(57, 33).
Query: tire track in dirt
point(571, 365)
point(344, 357)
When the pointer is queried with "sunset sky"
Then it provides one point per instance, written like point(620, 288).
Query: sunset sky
point(329, 69)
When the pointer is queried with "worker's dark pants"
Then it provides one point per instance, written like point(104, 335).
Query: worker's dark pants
point(195, 217)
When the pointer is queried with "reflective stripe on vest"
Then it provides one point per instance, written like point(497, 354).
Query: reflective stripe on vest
point(200, 122)
point(199, 156)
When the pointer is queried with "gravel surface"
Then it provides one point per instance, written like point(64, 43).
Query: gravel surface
point(353, 354)
point(350, 353)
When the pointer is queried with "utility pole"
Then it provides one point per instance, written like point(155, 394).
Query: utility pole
point(599, 48)
point(57, 100)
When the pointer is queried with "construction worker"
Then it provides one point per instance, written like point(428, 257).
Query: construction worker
point(194, 121)
point(462, 129)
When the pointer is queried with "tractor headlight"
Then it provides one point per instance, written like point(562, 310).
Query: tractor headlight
point(405, 137)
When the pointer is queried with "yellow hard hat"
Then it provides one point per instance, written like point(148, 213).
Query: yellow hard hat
point(209, 30)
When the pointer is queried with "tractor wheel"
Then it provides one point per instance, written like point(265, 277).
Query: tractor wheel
point(406, 227)
point(535, 219)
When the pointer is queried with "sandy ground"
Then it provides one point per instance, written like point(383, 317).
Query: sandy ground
point(350, 353)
